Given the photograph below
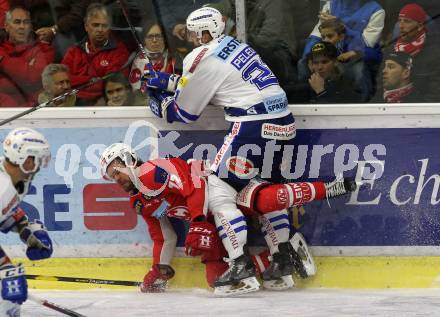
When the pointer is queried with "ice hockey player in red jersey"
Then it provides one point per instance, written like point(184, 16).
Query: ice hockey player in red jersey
point(164, 188)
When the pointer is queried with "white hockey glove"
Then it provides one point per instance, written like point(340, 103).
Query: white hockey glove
point(38, 241)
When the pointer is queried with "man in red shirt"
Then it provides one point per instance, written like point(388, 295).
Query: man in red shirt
point(22, 60)
point(97, 55)
point(416, 39)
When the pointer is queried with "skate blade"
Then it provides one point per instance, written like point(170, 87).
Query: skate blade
point(246, 285)
point(300, 246)
point(281, 284)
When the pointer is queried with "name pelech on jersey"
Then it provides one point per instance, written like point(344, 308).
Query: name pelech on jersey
point(229, 74)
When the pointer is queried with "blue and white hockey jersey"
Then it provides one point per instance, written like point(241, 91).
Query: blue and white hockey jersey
point(229, 74)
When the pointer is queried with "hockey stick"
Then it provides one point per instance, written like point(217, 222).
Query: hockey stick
point(132, 29)
point(135, 35)
point(81, 280)
point(53, 306)
point(72, 91)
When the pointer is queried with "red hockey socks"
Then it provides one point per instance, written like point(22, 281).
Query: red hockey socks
point(282, 196)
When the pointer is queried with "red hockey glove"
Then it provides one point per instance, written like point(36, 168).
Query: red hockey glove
point(155, 281)
point(201, 238)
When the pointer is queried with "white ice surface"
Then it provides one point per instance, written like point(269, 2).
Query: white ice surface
point(200, 302)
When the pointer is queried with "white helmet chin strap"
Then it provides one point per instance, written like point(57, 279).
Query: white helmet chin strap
point(131, 166)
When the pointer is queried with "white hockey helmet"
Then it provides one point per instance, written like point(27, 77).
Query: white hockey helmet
point(206, 19)
point(21, 143)
point(117, 150)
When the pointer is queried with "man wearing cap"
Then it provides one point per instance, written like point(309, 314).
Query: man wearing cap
point(327, 83)
point(415, 40)
point(396, 79)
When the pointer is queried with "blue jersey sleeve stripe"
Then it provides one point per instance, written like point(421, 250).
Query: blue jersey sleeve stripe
point(174, 113)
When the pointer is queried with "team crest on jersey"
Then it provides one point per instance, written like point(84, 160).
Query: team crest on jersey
point(104, 63)
point(239, 166)
point(180, 212)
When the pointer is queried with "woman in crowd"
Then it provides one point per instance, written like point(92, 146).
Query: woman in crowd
point(158, 54)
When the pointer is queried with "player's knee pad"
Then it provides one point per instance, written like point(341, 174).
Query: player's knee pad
point(276, 228)
point(247, 198)
point(232, 229)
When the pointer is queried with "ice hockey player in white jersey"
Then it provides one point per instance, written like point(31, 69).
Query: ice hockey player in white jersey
point(229, 74)
point(25, 152)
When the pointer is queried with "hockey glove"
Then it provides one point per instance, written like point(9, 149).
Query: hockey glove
point(159, 101)
point(155, 281)
point(148, 206)
point(38, 241)
point(13, 283)
point(201, 238)
point(159, 81)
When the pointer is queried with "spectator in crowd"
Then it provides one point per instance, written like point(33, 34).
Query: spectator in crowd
point(364, 21)
point(392, 9)
point(158, 54)
point(118, 93)
point(327, 83)
point(350, 56)
point(95, 56)
point(396, 80)
point(22, 60)
point(68, 27)
point(41, 13)
point(56, 81)
point(270, 31)
point(414, 39)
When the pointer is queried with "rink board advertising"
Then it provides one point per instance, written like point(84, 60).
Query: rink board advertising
point(395, 206)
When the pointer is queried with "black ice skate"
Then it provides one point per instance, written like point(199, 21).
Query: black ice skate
point(340, 186)
point(278, 276)
point(238, 279)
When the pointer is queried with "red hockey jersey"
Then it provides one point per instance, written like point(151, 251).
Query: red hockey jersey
point(179, 191)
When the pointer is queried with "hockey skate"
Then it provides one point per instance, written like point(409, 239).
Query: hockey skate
point(340, 186)
point(238, 279)
point(278, 276)
point(302, 259)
